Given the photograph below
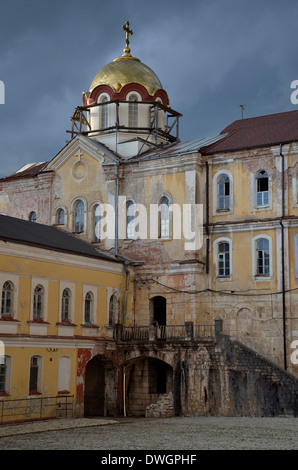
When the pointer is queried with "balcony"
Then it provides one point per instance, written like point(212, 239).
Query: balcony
point(170, 333)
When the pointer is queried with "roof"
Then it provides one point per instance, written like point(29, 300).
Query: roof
point(48, 237)
point(125, 70)
point(29, 170)
point(261, 131)
point(180, 148)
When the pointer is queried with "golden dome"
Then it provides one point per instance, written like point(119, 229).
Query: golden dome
point(125, 70)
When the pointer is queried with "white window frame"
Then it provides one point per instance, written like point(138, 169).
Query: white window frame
point(130, 225)
point(45, 284)
point(93, 230)
point(73, 209)
point(216, 244)
point(133, 110)
point(71, 287)
point(93, 291)
point(215, 192)
point(164, 218)
point(255, 276)
point(262, 205)
point(116, 313)
point(14, 280)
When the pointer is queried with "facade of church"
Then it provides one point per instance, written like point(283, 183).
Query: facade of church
point(128, 186)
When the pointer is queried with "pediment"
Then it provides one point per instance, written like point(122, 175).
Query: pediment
point(76, 148)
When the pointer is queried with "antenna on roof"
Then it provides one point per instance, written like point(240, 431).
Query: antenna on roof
point(242, 106)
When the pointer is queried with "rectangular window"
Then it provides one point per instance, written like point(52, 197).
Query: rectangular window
point(33, 383)
point(2, 376)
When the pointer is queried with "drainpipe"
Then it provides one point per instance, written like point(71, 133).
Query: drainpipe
point(124, 395)
point(116, 207)
point(283, 256)
point(126, 293)
point(207, 218)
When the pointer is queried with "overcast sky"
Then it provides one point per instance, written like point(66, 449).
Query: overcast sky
point(210, 55)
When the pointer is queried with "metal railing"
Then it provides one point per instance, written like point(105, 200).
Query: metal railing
point(186, 332)
point(36, 408)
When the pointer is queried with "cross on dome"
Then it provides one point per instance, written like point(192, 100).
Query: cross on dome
point(129, 33)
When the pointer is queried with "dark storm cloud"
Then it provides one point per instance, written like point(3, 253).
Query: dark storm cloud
point(210, 56)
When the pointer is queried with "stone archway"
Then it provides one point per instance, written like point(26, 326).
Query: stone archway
point(147, 381)
point(100, 395)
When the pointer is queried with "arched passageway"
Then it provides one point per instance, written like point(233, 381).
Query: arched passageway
point(100, 395)
point(146, 381)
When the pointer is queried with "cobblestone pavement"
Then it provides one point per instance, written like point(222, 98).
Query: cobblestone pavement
point(199, 433)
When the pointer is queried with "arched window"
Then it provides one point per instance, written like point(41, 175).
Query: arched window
point(79, 217)
point(164, 218)
point(32, 217)
point(263, 257)
point(65, 307)
point(223, 259)
point(88, 308)
point(104, 113)
point(113, 310)
point(6, 303)
point(133, 111)
point(130, 222)
point(224, 193)
point(97, 222)
point(38, 300)
point(262, 188)
point(60, 216)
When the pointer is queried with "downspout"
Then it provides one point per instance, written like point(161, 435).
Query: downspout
point(283, 256)
point(126, 293)
point(207, 218)
point(116, 207)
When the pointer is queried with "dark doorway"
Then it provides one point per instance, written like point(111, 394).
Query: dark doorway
point(159, 309)
point(94, 388)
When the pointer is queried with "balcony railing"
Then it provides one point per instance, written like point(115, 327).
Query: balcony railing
point(186, 332)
